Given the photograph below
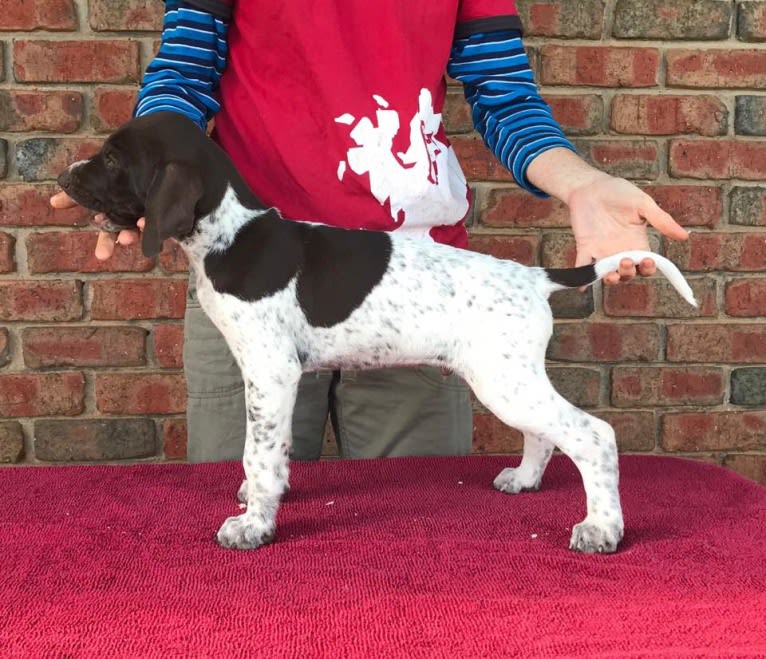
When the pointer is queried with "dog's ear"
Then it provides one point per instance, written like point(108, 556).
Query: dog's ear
point(169, 207)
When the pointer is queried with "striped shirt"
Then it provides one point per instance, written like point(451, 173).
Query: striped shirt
point(487, 56)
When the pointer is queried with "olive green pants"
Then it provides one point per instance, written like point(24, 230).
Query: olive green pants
point(376, 413)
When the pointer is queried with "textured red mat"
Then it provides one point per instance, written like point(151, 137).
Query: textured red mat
point(401, 557)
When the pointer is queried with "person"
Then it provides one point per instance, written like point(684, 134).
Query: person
point(332, 111)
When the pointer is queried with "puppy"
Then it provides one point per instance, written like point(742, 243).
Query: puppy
point(291, 297)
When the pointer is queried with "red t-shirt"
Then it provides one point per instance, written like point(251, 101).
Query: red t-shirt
point(331, 109)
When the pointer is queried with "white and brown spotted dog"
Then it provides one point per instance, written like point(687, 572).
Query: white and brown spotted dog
point(291, 297)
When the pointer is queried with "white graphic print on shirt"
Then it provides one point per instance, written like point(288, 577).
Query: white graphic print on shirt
point(423, 185)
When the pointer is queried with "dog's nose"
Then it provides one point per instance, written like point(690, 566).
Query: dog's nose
point(64, 179)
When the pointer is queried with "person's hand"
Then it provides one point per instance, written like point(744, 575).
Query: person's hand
point(611, 215)
point(608, 214)
point(106, 242)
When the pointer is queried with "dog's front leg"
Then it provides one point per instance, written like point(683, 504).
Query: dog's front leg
point(270, 398)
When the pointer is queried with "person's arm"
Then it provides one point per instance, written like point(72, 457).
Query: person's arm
point(507, 110)
point(185, 73)
point(608, 214)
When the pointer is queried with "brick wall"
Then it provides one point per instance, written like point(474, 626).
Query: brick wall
point(667, 93)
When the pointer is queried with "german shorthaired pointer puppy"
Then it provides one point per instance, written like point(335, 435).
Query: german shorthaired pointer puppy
point(294, 296)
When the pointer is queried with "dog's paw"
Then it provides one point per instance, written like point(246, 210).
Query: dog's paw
point(591, 538)
point(241, 532)
point(513, 481)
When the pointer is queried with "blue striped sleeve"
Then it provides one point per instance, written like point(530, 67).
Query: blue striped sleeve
point(507, 110)
point(185, 73)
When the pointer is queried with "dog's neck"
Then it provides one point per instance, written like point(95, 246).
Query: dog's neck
point(216, 231)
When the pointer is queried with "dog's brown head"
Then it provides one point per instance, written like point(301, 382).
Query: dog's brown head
point(161, 167)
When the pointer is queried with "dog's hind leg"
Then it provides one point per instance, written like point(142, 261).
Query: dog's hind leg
point(533, 406)
point(270, 398)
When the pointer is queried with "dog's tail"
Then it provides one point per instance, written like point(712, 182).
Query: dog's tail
point(587, 274)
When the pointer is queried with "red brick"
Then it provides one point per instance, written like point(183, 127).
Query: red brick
point(733, 343)
point(126, 15)
point(5, 348)
point(43, 301)
point(714, 431)
point(634, 431)
point(716, 68)
point(44, 158)
point(578, 114)
point(718, 159)
point(103, 60)
point(748, 206)
point(645, 114)
point(605, 342)
point(112, 108)
point(751, 21)
point(558, 250)
point(28, 205)
point(130, 299)
point(11, 442)
point(656, 298)
point(50, 110)
point(690, 205)
point(78, 440)
point(521, 249)
point(746, 297)
point(599, 66)
point(168, 345)
point(672, 19)
point(140, 393)
point(18, 16)
point(477, 161)
point(73, 251)
point(717, 251)
point(7, 252)
point(174, 439)
point(490, 435)
point(457, 113)
point(572, 303)
point(635, 159)
point(564, 18)
point(49, 394)
point(172, 258)
point(83, 346)
point(652, 386)
point(750, 115)
point(749, 466)
point(580, 386)
point(511, 207)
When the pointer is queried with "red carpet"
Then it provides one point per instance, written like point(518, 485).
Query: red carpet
point(395, 558)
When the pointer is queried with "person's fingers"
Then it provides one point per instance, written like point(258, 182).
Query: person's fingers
point(626, 270)
point(62, 200)
point(126, 237)
point(104, 245)
point(647, 267)
point(662, 221)
point(611, 278)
